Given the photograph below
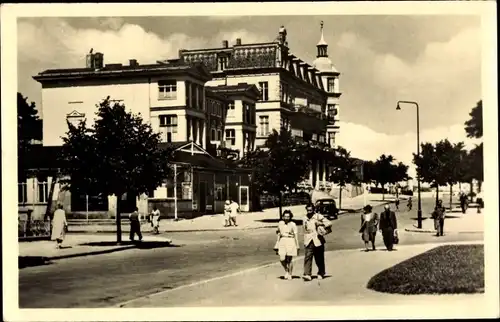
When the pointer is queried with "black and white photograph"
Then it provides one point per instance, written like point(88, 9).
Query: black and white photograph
point(250, 161)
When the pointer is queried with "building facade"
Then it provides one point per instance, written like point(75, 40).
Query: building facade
point(174, 100)
point(294, 94)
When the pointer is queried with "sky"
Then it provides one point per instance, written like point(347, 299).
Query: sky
point(434, 60)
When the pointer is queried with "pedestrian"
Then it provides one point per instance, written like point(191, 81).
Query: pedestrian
point(368, 230)
point(463, 201)
point(409, 204)
point(59, 226)
point(438, 215)
point(479, 201)
point(235, 209)
point(155, 220)
point(397, 203)
point(288, 242)
point(314, 243)
point(135, 225)
point(389, 227)
point(227, 212)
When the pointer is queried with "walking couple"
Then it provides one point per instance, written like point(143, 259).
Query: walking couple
point(388, 225)
point(316, 226)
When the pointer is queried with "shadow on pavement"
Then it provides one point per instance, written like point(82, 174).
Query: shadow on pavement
point(30, 261)
point(137, 244)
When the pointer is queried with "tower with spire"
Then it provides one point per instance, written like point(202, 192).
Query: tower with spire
point(330, 78)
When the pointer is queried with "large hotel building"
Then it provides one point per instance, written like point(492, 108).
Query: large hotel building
point(210, 104)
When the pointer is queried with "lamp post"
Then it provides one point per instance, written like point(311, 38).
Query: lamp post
point(419, 209)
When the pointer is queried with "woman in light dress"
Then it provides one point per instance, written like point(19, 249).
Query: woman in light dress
point(155, 220)
point(287, 244)
point(59, 226)
point(368, 230)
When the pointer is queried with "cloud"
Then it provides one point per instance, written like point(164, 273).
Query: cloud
point(444, 77)
point(367, 144)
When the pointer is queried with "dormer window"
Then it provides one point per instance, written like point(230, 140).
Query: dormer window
point(331, 84)
point(222, 62)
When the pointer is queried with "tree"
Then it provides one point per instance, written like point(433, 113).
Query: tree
point(280, 166)
point(384, 171)
point(430, 166)
point(474, 126)
point(343, 170)
point(451, 160)
point(118, 155)
point(400, 173)
point(28, 128)
point(474, 129)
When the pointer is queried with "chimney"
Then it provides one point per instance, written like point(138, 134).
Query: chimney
point(90, 59)
point(225, 44)
point(98, 60)
point(238, 41)
point(181, 53)
point(133, 62)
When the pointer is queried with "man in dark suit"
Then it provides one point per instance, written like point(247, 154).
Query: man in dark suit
point(388, 224)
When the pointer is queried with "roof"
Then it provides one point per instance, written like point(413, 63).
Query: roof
point(47, 157)
point(116, 70)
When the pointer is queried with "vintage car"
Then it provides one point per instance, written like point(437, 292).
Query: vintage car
point(327, 207)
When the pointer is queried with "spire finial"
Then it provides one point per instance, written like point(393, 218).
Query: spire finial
point(321, 25)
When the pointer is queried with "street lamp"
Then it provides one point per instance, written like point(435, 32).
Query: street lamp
point(419, 210)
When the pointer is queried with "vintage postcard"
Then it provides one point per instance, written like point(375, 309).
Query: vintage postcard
point(250, 161)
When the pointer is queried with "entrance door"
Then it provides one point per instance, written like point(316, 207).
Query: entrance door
point(203, 197)
point(244, 198)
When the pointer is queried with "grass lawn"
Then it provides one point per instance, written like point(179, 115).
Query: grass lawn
point(447, 269)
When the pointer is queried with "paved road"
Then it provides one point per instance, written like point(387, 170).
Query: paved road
point(105, 280)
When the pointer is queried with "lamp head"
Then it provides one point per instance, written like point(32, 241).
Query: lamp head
point(398, 108)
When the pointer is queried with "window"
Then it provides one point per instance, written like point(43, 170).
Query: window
point(168, 126)
point(199, 96)
point(167, 89)
point(230, 110)
point(22, 192)
point(212, 134)
point(297, 132)
point(42, 188)
point(314, 137)
point(322, 138)
point(264, 91)
point(284, 93)
point(264, 125)
point(331, 139)
point(188, 94)
point(284, 122)
point(222, 63)
point(230, 137)
point(331, 84)
point(219, 135)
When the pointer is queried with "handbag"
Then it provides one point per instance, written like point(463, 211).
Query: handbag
point(324, 229)
point(396, 237)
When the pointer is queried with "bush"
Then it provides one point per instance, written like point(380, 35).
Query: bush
point(447, 269)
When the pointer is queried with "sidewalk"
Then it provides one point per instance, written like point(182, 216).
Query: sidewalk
point(263, 286)
point(455, 222)
point(250, 220)
point(81, 245)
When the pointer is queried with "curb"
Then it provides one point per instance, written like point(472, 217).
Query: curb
point(451, 232)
